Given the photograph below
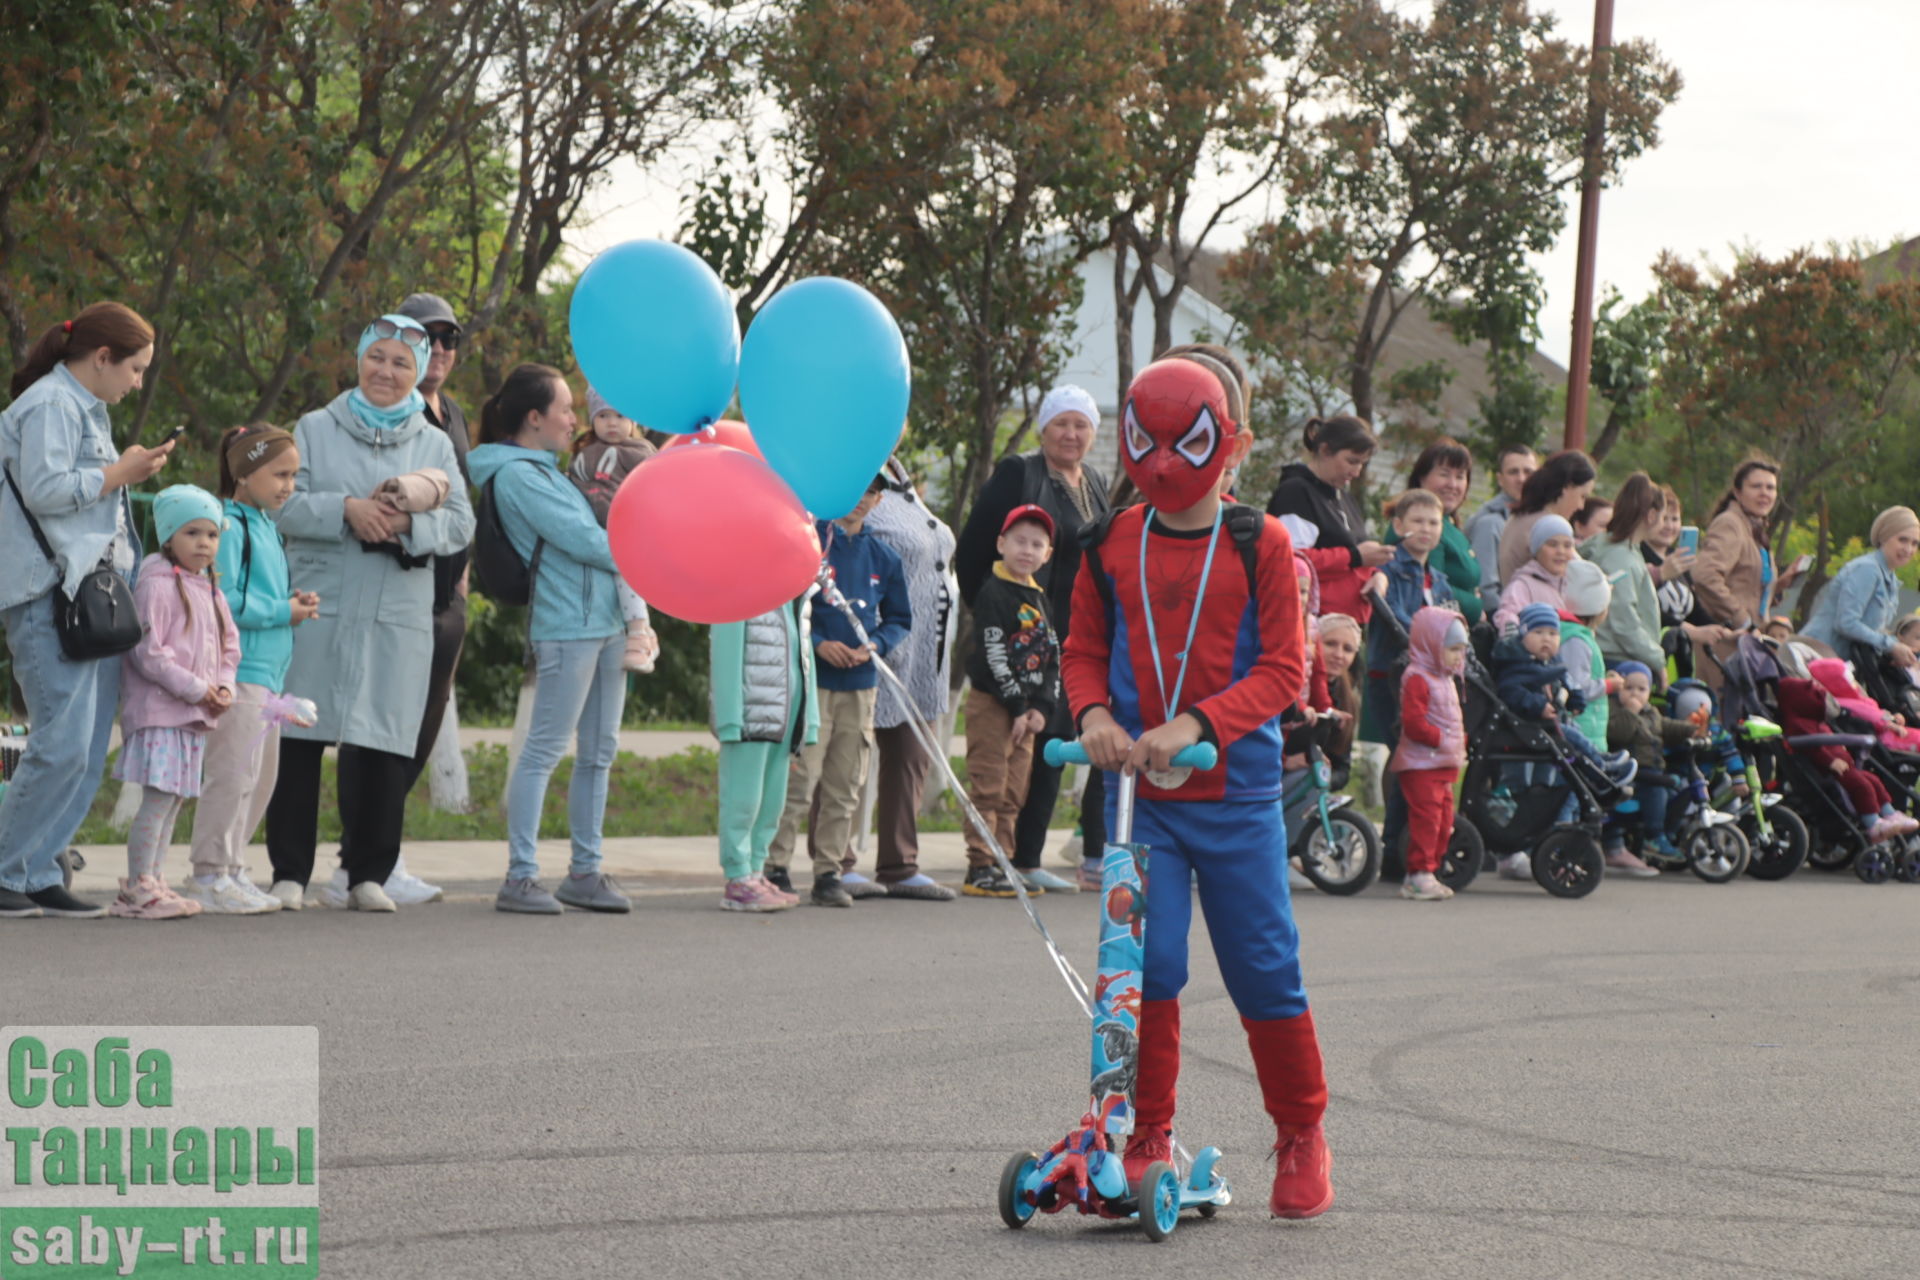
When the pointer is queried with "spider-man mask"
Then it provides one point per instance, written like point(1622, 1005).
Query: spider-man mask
point(1175, 434)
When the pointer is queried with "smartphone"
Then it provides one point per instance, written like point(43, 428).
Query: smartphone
point(173, 436)
point(1690, 538)
point(1803, 564)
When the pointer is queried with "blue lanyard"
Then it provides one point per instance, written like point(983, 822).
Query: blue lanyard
point(1193, 626)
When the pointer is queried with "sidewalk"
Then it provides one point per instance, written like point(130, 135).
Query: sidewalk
point(471, 869)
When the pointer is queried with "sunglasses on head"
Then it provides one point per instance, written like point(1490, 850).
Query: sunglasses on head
point(384, 328)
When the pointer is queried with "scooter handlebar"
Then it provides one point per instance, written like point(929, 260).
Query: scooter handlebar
point(1201, 755)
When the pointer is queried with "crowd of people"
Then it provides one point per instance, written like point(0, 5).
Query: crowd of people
point(318, 599)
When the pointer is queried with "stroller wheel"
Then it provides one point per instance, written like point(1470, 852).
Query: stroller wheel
point(1568, 863)
point(1718, 854)
point(1780, 852)
point(1466, 854)
point(1014, 1209)
point(1346, 864)
point(1875, 866)
point(1906, 866)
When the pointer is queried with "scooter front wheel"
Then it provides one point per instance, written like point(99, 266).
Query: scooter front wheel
point(1159, 1200)
point(1014, 1209)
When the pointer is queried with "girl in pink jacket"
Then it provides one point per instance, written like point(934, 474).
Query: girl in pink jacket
point(1433, 745)
point(176, 682)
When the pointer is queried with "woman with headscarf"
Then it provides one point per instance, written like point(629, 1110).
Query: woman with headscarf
point(923, 661)
point(366, 659)
point(1858, 607)
point(1057, 478)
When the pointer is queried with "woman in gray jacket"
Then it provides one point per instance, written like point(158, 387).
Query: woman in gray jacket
point(63, 474)
point(366, 659)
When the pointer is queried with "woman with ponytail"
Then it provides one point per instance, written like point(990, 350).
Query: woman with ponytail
point(1315, 503)
point(64, 486)
point(576, 630)
point(367, 658)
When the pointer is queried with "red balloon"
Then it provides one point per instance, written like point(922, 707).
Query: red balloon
point(734, 435)
point(711, 534)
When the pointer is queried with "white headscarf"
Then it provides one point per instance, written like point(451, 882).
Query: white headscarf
point(1067, 398)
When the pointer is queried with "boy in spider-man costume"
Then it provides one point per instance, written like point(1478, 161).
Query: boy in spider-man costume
point(1201, 641)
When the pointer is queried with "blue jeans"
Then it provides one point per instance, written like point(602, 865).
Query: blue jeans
point(70, 710)
point(578, 687)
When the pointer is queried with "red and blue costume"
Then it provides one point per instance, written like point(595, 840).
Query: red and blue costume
point(1236, 668)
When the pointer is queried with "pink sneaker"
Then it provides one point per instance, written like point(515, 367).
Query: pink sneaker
point(787, 896)
point(1880, 829)
point(750, 893)
point(148, 898)
point(1905, 824)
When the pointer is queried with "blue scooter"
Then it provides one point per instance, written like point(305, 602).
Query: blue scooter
point(1084, 1169)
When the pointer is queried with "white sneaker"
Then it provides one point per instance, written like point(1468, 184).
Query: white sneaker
point(245, 884)
point(289, 895)
point(222, 897)
point(408, 889)
point(333, 893)
point(368, 896)
point(1516, 866)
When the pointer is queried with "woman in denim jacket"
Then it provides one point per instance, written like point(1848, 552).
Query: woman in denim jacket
point(1859, 605)
point(62, 470)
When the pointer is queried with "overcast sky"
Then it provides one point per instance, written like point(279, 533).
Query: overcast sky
point(1797, 126)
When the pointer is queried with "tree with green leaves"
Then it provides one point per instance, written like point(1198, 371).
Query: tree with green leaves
point(1447, 145)
point(1800, 357)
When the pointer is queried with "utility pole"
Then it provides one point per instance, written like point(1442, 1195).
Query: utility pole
point(1581, 366)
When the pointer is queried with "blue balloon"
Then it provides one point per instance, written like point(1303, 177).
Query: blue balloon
point(825, 380)
point(656, 334)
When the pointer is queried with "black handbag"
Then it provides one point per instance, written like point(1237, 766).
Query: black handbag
point(99, 620)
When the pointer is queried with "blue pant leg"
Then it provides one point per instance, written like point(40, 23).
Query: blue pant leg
point(598, 742)
point(1240, 851)
point(70, 708)
point(1653, 807)
point(563, 677)
point(1169, 878)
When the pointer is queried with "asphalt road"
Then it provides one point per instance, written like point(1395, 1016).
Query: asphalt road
point(1666, 1079)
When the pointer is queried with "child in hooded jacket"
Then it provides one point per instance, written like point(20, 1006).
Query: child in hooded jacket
point(175, 684)
point(604, 455)
point(1432, 747)
point(1803, 711)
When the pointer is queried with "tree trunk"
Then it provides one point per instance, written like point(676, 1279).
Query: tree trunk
point(447, 767)
point(1609, 435)
point(1123, 300)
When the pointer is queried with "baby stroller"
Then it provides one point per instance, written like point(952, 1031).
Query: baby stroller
point(1884, 682)
point(1710, 842)
point(1838, 835)
point(1496, 815)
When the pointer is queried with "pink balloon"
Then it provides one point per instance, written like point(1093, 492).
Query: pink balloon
point(711, 534)
point(734, 435)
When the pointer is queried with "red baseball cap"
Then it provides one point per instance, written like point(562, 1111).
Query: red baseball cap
point(1031, 511)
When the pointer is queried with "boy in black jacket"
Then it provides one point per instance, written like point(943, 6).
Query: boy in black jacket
point(1014, 675)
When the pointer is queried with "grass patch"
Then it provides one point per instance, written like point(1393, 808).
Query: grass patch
point(678, 795)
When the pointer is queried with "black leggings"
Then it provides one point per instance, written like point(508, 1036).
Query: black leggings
point(1043, 792)
point(373, 805)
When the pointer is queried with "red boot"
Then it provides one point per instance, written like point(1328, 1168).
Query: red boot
point(1153, 1090)
point(1286, 1057)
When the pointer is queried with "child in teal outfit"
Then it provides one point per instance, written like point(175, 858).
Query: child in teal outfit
point(766, 707)
point(257, 467)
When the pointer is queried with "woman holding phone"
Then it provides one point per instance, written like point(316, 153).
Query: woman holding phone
point(1858, 607)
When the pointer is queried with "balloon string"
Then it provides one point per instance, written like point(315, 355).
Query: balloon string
point(923, 731)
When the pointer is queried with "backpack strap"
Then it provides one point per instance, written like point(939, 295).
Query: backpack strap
point(1246, 524)
point(1091, 536)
